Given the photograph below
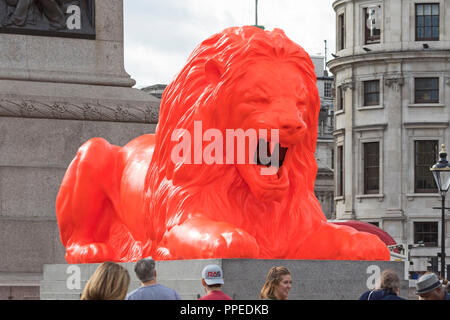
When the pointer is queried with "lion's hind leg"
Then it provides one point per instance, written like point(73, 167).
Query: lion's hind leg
point(86, 203)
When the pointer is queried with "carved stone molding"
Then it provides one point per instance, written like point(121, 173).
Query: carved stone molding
point(338, 132)
point(27, 108)
point(394, 83)
point(72, 19)
point(348, 85)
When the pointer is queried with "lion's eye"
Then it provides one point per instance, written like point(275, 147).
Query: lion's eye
point(259, 100)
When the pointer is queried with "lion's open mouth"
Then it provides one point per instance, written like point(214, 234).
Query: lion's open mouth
point(268, 176)
point(264, 156)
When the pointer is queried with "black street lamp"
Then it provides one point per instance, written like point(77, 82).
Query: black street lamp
point(441, 173)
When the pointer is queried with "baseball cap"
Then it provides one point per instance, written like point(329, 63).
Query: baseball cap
point(212, 274)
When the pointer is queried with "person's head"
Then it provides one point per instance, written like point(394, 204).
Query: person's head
point(389, 280)
point(212, 277)
point(145, 270)
point(429, 287)
point(110, 281)
point(446, 285)
point(278, 284)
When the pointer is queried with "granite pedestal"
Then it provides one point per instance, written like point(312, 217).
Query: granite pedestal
point(244, 278)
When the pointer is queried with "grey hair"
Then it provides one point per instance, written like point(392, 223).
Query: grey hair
point(145, 269)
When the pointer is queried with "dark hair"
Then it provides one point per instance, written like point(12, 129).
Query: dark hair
point(145, 269)
point(214, 286)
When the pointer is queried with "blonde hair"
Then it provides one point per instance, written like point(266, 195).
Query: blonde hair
point(273, 278)
point(110, 281)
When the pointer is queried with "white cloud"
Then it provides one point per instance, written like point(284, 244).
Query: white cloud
point(159, 35)
point(152, 63)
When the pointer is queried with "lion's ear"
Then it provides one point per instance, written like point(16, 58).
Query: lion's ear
point(213, 71)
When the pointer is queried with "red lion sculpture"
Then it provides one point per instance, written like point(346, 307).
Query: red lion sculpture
point(124, 203)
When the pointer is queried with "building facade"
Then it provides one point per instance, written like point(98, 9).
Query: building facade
point(392, 97)
point(155, 90)
point(324, 187)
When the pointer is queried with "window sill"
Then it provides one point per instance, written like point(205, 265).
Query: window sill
point(426, 105)
point(425, 247)
point(411, 196)
point(362, 108)
point(379, 196)
point(338, 198)
point(423, 40)
point(338, 112)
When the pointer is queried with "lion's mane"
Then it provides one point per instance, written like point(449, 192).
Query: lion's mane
point(174, 190)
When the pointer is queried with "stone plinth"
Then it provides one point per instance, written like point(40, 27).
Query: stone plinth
point(55, 94)
point(244, 278)
point(70, 60)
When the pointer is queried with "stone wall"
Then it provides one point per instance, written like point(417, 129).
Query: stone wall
point(244, 278)
point(55, 94)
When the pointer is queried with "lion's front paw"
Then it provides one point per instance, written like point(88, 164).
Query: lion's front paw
point(202, 238)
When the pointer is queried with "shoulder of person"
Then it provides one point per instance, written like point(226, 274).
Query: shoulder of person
point(175, 293)
point(365, 295)
point(393, 297)
point(131, 295)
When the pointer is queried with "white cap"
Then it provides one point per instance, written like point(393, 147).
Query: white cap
point(212, 274)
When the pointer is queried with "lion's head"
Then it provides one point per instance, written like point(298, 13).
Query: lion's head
point(242, 78)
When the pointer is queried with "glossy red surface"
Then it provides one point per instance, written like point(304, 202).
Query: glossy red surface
point(124, 203)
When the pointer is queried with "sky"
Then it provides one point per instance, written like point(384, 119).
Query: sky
point(159, 35)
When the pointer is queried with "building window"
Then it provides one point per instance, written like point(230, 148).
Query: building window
point(339, 98)
point(372, 30)
point(340, 171)
point(426, 233)
point(341, 32)
point(371, 167)
point(372, 93)
point(327, 89)
point(426, 90)
point(332, 158)
point(427, 21)
point(426, 154)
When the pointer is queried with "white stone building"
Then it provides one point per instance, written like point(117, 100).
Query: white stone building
point(324, 187)
point(392, 86)
point(155, 90)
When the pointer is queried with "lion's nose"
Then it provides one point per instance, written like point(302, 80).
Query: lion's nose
point(291, 125)
point(291, 129)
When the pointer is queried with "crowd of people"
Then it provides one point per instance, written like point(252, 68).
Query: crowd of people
point(428, 287)
point(110, 281)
